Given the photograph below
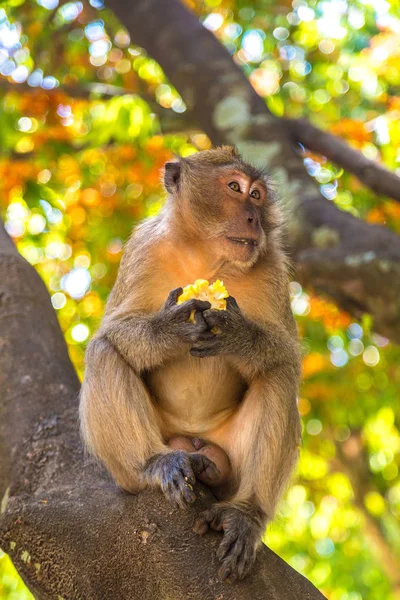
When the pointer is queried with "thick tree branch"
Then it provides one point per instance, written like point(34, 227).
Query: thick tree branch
point(372, 174)
point(228, 109)
point(70, 532)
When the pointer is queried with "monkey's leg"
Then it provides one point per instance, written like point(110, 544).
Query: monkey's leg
point(262, 441)
point(120, 426)
point(118, 419)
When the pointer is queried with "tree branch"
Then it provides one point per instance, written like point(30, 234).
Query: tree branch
point(69, 531)
point(228, 109)
point(374, 175)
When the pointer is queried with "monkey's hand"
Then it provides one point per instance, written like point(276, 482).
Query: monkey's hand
point(233, 331)
point(243, 526)
point(175, 472)
point(174, 318)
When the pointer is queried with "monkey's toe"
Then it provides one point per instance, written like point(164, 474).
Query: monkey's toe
point(238, 548)
point(237, 557)
point(209, 519)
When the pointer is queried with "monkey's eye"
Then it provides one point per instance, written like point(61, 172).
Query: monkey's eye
point(234, 186)
point(255, 194)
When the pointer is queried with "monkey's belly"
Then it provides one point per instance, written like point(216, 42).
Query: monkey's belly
point(195, 395)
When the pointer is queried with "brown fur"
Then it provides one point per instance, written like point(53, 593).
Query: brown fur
point(142, 384)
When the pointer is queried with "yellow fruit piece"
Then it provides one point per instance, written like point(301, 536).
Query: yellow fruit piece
point(215, 294)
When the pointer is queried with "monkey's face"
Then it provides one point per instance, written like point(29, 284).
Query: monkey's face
point(224, 202)
point(230, 204)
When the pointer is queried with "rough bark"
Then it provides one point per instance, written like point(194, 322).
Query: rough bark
point(70, 532)
point(355, 263)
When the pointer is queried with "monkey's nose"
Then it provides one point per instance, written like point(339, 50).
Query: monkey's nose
point(252, 219)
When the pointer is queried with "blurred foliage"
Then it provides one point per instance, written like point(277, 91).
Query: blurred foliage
point(81, 148)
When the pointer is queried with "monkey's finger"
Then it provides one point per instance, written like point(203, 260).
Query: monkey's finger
point(185, 494)
point(190, 305)
point(188, 473)
point(217, 319)
point(197, 353)
point(169, 491)
point(199, 322)
point(231, 303)
point(173, 297)
point(188, 495)
point(204, 349)
point(203, 336)
point(179, 493)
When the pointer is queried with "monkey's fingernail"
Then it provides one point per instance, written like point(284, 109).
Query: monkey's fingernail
point(224, 573)
point(189, 496)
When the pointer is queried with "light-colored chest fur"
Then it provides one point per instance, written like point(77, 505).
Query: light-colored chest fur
point(196, 395)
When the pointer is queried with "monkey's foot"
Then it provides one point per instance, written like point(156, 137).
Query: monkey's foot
point(175, 472)
point(243, 527)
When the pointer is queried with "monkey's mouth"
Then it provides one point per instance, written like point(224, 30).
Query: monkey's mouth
point(243, 241)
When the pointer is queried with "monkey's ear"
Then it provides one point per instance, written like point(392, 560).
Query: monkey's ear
point(172, 175)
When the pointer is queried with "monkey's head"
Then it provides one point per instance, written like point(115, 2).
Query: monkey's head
point(225, 202)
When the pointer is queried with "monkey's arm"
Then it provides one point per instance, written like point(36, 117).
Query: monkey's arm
point(147, 340)
point(255, 348)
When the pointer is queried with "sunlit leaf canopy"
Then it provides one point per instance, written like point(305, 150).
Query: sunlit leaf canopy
point(87, 120)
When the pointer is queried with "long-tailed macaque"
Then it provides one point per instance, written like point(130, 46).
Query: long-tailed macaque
point(165, 400)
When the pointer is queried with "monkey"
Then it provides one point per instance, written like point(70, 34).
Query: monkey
point(158, 388)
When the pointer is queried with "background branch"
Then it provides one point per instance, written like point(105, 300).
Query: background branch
point(374, 175)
